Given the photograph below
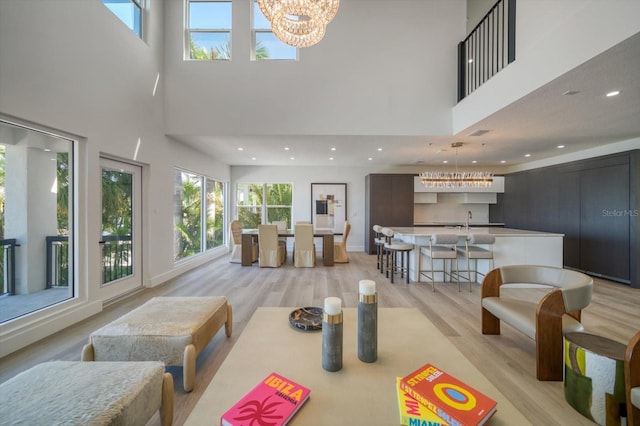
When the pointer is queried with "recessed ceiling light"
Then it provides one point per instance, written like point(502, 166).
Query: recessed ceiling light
point(286, 148)
point(560, 146)
point(331, 158)
point(292, 158)
point(613, 93)
point(474, 162)
point(445, 161)
point(240, 148)
point(527, 155)
point(369, 158)
point(254, 158)
point(333, 148)
point(379, 149)
point(503, 161)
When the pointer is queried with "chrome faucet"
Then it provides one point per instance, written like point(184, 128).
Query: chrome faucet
point(469, 217)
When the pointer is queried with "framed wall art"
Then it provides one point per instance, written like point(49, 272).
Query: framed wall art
point(329, 206)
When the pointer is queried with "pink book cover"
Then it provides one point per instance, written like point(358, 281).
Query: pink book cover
point(271, 403)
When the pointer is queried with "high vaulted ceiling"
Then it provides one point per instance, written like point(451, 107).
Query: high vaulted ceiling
point(535, 125)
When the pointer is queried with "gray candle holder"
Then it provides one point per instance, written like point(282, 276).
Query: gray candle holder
point(332, 342)
point(368, 328)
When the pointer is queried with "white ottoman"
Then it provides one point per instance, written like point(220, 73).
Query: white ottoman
point(173, 330)
point(88, 394)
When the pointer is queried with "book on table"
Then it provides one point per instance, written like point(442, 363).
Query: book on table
point(412, 413)
point(272, 402)
point(454, 401)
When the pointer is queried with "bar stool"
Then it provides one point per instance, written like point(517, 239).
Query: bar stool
point(379, 240)
point(441, 246)
point(471, 251)
point(394, 247)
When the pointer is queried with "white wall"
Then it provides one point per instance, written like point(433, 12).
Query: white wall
point(574, 32)
point(73, 68)
point(383, 68)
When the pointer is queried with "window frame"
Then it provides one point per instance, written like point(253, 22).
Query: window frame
point(203, 181)
point(140, 6)
point(188, 31)
point(265, 206)
point(265, 30)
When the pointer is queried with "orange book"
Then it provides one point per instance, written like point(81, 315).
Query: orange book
point(412, 413)
point(455, 402)
point(272, 402)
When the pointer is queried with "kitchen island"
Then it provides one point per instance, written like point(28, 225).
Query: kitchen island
point(512, 246)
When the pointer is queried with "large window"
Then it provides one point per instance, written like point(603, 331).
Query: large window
point(258, 203)
point(265, 44)
point(36, 228)
point(208, 32)
point(199, 214)
point(129, 12)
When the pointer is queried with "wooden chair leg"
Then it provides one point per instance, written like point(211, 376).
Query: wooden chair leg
point(490, 323)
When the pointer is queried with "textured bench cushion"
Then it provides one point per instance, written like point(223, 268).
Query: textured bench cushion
point(521, 315)
point(83, 393)
point(160, 329)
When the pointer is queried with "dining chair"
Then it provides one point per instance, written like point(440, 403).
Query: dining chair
point(270, 251)
point(282, 228)
point(340, 254)
point(304, 250)
point(235, 243)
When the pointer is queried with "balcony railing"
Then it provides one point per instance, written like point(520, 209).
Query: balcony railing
point(8, 266)
point(117, 257)
point(489, 48)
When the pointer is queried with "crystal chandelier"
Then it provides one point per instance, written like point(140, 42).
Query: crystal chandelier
point(457, 179)
point(299, 23)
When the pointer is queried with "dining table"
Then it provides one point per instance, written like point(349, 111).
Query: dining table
point(249, 236)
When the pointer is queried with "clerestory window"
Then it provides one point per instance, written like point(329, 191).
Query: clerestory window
point(265, 45)
point(208, 32)
point(129, 12)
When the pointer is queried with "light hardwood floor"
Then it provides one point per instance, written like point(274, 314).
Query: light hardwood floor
point(507, 360)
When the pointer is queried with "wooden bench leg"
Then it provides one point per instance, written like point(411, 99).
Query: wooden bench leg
point(87, 353)
point(189, 368)
point(228, 325)
point(166, 409)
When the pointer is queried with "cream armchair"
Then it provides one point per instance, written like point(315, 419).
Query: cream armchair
point(632, 380)
point(304, 251)
point(545, 321)
point(271, 252)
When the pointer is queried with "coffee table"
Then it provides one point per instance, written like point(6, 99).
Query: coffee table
point(359, 394)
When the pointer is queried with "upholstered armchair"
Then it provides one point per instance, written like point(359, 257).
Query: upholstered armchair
point(340, 254)
point(545, 321)
point(632, 380)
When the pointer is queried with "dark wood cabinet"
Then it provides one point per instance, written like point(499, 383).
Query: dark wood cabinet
point(593, 202)
point(388, 202)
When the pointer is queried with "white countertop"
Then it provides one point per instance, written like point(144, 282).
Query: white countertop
point(425, 231)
